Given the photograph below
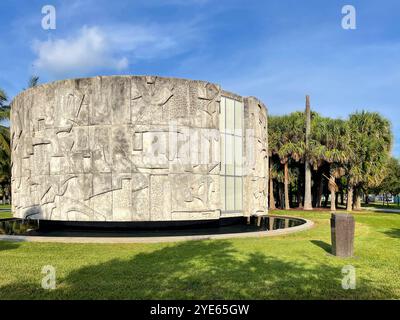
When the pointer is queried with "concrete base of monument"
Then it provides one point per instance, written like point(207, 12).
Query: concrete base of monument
point(256, 226)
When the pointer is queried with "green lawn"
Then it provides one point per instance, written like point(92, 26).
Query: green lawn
point(295, 266)
point(5, 214)
point(379, 205)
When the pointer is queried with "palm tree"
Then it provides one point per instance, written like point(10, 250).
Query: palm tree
point(307, 168)
point(5, 159)
point(4, 108)
point(273, 174)
point(3, 97)
point(33, 81)
point(391, 182)
point(317, 150)
point(329, 152)
point(274, 138)
point(5, 141)
point(5, 150)
point(4, 114)
point(286, 139)
point(371, 141)
point(337, 155)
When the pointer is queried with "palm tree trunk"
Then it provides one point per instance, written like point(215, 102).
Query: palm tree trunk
point(333, 200)
point(271, 194)
point(286, 168)
point(280, 195)
point(336, 199)
point(326, 198)
point(300, 203)
point(307, 182)
point(357, 200)
point(350, 190)
point(319, 191)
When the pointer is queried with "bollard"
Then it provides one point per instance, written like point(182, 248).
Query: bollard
point(258, 221)
point(342, 234)
point(271, 223)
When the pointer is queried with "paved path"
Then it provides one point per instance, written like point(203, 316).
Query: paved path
point(382, 210)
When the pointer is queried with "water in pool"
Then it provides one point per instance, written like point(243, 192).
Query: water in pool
point(32, 228)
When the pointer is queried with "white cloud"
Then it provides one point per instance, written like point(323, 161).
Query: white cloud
point(89, 50)
point(102, 48)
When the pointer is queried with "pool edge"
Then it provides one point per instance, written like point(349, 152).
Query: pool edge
point(120, 240)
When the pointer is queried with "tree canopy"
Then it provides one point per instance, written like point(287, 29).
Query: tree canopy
point(346, 156)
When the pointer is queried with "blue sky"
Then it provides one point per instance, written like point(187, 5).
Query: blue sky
point(277, 50)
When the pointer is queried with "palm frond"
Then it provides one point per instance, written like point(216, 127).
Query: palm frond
point(3, 97)
point(33, 81)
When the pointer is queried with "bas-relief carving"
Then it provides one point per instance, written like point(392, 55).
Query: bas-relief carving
point(79, 150)
point(148, 101)
point(256, 181)
point(207, 113)
point(194, 192)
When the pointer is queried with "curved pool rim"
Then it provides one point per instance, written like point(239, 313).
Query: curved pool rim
point(308, 224)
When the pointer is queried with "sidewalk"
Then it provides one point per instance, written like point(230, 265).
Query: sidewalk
point(381, 210)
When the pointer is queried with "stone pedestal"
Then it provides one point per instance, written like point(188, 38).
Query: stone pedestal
point(342, 233)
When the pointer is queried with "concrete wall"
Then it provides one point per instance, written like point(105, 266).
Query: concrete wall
point(256, 179)
point(117, 149)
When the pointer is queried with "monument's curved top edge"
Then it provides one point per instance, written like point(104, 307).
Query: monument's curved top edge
point(57, 82)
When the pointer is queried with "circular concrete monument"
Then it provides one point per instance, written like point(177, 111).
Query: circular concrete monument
point(123, 149)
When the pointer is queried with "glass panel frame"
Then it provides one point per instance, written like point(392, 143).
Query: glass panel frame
point(238, 193)
point(230, 193)
point(229, 116)
point(231, 174)
point(239, 118)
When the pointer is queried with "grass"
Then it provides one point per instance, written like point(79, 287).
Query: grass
point(296, 266)
point(5, 214)
point(379, 205)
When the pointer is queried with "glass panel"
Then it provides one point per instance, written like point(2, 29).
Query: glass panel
point(238, 194)
point(222, 115)
point(230, 115)
point(229, 154)
point(222, 146)
point(238, 155)
point(230, 192)
point(231, 124)
point(238, 118)
point(222, 191)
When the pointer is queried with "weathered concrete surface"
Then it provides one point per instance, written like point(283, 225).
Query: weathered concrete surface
point(342, 234)
point(256, 178)
point(99, 149)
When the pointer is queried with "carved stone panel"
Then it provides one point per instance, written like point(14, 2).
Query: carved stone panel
point(125, 148)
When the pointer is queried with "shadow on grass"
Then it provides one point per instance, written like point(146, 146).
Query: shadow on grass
point(199, 270)
point(394, 233)
point(6, 245)
point(323, 245)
